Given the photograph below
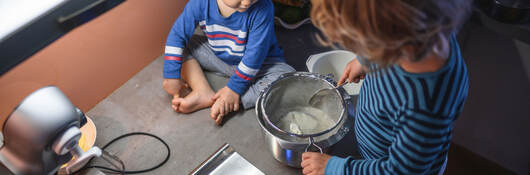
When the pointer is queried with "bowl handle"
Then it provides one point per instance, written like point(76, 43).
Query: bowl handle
point(312, 143)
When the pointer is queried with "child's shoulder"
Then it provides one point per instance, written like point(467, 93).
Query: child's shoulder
point(262, 7)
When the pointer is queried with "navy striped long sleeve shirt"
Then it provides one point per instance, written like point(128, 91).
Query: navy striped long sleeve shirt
point(404, 121)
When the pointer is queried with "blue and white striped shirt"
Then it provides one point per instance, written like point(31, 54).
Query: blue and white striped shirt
point(245, 39)
point(404, 121)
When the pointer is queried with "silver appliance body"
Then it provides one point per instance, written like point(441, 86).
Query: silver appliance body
point(288, 148)
point(32, 129)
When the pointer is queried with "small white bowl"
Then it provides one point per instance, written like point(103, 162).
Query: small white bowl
point(333, 62)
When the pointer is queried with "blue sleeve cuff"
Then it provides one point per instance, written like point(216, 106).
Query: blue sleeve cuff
point(172, 69)
point(336, 165)
point(238, 85)
point(171, 76)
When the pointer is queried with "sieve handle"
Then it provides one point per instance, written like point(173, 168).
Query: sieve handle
point(312, 143)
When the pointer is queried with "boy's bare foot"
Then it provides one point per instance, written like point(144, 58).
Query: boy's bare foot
point(194, 101)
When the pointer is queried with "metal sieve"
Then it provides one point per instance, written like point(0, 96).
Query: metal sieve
point(293, 90)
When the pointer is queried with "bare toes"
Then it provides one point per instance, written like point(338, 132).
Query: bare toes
point(175, 103)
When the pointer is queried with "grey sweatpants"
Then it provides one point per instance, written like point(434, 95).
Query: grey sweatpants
point(198, 48)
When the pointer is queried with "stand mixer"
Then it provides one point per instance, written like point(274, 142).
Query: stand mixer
point(42, 133)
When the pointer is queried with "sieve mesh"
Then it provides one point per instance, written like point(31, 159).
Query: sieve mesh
point(292, 94)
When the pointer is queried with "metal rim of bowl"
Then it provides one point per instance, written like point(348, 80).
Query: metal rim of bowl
point(314, 75)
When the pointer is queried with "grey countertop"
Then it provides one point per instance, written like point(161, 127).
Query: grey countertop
point(142, 105)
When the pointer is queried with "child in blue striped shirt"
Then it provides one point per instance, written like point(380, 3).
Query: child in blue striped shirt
point(239, 43)
point(415, 82)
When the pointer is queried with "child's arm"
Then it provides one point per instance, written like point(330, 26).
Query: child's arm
point(417, 144)
point(258, 44)
point(178, 37)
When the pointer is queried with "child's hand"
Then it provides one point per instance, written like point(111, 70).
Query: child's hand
point(353, 72)
point(226, 101)
point(173, 86)
point(314, 163)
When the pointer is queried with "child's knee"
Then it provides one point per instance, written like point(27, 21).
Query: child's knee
point(249, 103)
point(248, 100)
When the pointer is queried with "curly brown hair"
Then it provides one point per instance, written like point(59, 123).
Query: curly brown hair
point(385, 31)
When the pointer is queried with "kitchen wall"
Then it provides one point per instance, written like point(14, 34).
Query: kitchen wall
point(93, 60)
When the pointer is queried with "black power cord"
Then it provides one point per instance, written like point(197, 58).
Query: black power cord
point(135, 171)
